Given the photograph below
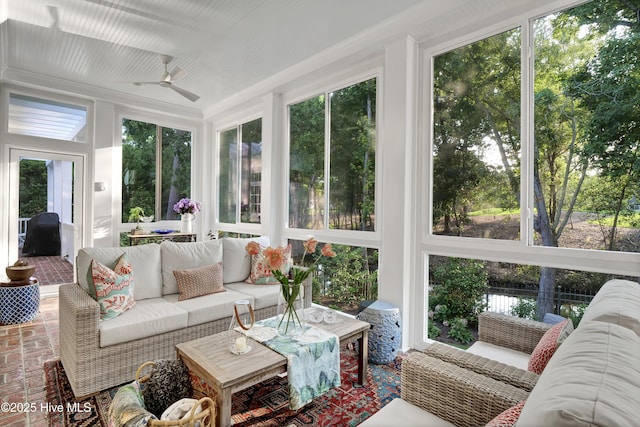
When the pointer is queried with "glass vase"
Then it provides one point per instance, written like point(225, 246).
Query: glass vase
point(242, 319)
point(291, 309)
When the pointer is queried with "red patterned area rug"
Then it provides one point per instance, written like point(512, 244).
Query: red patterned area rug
point(263, 405)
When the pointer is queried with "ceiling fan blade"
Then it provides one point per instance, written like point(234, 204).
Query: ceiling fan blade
point(177, 73)
point(190, 96)
point(55, 17)
point(143, 83)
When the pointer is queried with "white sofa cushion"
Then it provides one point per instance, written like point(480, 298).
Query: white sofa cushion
point(505, 355)
point(592, 380)
point(145, 263)
point(148, 318)
point(399, 412)
point(236, 260)
point(263, 295)
point(180, 256)
point(618, 302)
point(208, 308)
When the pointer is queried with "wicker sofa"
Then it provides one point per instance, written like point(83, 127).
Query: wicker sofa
point(99, 354)
point(592, 379)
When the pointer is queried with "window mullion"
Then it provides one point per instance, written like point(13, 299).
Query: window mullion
point(327, 158)
point(239, 174)
point(158, 186)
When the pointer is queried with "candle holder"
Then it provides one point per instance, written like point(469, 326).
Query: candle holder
point(242, 320)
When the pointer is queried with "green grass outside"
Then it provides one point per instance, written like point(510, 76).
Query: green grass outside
point(495, 212)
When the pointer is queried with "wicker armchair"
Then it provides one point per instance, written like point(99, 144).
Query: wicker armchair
point(510, 331)
point(455, 394)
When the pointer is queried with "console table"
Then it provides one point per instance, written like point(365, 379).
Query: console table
point(19, 303)
point(136, 239)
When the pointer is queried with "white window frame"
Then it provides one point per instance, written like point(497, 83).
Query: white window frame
point(369, 239)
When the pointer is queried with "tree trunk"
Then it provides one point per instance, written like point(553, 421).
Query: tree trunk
point(545, 292)
point(547, 282)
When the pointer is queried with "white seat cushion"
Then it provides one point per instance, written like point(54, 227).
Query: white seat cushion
point(149, 317)
point(263, 295)
point(399, 412)
point(208, 308)
point(505, 355)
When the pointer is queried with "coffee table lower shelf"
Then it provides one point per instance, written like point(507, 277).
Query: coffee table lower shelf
point(210, 359)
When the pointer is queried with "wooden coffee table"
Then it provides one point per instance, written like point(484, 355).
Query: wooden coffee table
point(227, 373)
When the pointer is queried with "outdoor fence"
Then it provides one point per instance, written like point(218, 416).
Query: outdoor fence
point(502, 300)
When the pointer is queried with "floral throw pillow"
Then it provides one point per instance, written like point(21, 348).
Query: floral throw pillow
point(508, 418)
point(199, 281)
point(260, 271)
point(113, 288)
point(548, 345)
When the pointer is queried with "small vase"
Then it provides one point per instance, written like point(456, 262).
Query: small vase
point(291, 309)
point(186, 223)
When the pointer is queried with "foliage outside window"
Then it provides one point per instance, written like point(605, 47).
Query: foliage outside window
point(156, 168)
point(345, 154)
point(459, 289)
point(585, 167)
point(476, 138)
point(345, 280)
point(240, 176)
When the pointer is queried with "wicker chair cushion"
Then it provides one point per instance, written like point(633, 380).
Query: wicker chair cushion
point(195, 282)
point(127, 408)
point(508, 418)
point(548, 345)
point(616, 302)
point(113, 288)
point(261, 273)
point(592, 380)
point(169, 382)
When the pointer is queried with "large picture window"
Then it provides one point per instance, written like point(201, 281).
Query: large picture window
point(332, 160)
point(240, 174)
point(574, 155)
point(156, 168)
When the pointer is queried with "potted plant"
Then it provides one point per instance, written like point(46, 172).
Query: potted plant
point(135, 215)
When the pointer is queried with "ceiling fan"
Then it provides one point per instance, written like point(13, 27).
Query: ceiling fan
point(169, 77)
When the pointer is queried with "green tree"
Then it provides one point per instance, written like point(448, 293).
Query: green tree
point(33, 188)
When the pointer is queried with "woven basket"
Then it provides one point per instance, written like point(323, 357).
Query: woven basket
point(205, 418)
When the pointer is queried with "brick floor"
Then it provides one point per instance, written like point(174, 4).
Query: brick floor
point(51, 270)
point(23, 350)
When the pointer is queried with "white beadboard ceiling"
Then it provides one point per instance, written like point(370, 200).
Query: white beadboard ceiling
point(224, 46)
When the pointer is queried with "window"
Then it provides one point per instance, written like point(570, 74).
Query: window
point(47, 118)
point(333, 135)
point(575, 158)
point(476, 139)
point(586, 168)
point(156, 168)
point(240, 177)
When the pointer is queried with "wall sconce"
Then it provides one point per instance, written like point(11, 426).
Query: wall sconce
point(99, 186)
